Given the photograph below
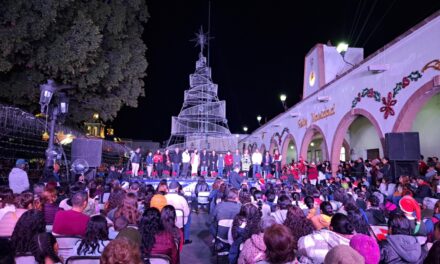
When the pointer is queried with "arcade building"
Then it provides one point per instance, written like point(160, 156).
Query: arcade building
point(350, 102)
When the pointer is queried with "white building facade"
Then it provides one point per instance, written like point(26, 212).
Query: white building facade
point(347, 109)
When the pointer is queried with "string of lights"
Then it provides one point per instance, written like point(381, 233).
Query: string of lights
point(21, 136)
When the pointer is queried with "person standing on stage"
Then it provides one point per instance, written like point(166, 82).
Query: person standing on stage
point(204, 162)
point(213, 162)
point(277, 162)
point(158, 162)
point(267, 164)
point(220, 165)
point(257, 159)
point(186, 158)
point(135, 161)
point(176, 160)
point(195, 161)
point(229, 162)
point(149, 162)
point(236, 158)
point(246, 162)
point(166, 162)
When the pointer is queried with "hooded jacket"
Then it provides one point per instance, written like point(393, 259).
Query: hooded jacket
point(401, 249)
point(253, 250)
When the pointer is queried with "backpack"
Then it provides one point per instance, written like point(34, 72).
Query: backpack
point(431, 235)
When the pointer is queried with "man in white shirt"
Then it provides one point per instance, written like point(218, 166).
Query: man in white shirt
point(179, 202)
point(18, 178)
point(257, 159)
point(186, 158)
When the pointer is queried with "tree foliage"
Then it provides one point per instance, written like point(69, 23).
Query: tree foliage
point(94, 45)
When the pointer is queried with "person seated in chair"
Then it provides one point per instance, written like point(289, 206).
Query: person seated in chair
point(201, 186)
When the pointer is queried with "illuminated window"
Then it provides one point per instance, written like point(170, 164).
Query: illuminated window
point(342, 155)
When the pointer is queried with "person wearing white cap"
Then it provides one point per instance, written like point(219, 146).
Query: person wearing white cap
point(18, 178)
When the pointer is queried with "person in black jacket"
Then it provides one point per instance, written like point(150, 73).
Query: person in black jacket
point(213, 162)
point(234, 178)
point(176, 161)
point(204, 163)
point(386, 170)
point(374, 214)
point(423, 189)
point(135, 161)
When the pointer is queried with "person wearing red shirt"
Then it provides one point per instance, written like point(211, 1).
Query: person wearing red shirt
point(229, 161)
point(72, 222)
point(302, 167)
point(312, 173)
point(423, 167)
point(155, 239)
point(158, 162)
point(295, 172)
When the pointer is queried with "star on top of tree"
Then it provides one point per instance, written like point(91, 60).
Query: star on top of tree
point(201, 39)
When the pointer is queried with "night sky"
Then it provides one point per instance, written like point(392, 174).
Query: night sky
point(257, 52)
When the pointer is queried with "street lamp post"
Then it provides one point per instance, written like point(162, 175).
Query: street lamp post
point(48, 90)
point(245, 129)
point(342, 49)
point(259, 119)
point(283, 98)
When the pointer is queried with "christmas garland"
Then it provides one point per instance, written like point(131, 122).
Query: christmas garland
point(366, 92)
point(280, 136)
point(389, 101)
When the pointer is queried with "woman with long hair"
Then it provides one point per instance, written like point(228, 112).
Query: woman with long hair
point(246, 223)
point(45, 249)
point(114, 201)
point(168, 218)
point(155, 239)
point(298, 223)
point(28, 225)
point(213, 194)
point(358, 219)
point(96, 238)
point(129, 209)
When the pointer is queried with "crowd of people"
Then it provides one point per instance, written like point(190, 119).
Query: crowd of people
point(293, 219)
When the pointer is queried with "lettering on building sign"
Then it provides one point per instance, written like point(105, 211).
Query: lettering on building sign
point(323, 114)
point(302, 122)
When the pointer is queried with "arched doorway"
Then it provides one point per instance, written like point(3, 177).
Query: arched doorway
point(420, 114)
point(253, 147)
point(358, 135)
point(314, 145)
point(262, 148)
point(273, 146)
point(289, 150)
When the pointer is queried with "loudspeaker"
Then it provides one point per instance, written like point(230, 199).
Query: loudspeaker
point(402, 146)
point(404, 167)
point(87, 149)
